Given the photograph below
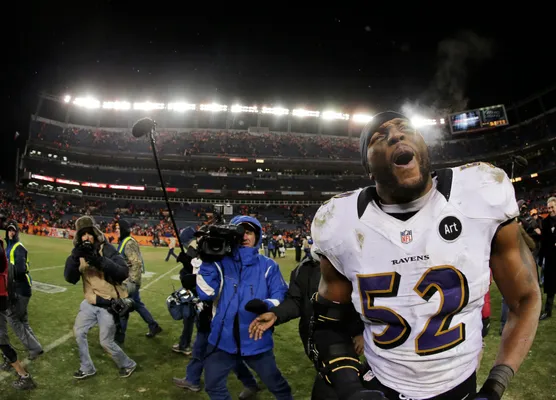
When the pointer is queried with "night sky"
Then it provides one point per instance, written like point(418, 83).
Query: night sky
point(363, 59)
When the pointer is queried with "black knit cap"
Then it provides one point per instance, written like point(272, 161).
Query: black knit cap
point(125, 229)
point(369, 129)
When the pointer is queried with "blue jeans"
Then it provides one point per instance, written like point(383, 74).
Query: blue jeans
point(219, 364)
point(88, 317)
point(194, 369)
point(142, 311)
point(188, 323)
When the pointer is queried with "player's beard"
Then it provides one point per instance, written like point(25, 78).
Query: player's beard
point(398, 192)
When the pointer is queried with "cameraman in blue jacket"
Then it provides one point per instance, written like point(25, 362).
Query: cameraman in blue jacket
point(241, 285)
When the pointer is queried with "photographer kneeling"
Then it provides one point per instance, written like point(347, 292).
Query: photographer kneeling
point(242, 284)
point(102, 270)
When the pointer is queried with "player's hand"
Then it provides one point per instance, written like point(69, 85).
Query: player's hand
point(367, 395)
point(261, 324)
point(359, 344)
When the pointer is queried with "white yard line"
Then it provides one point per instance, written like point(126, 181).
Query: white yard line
point(61, 340)
point(45, 268)
point(160, 277)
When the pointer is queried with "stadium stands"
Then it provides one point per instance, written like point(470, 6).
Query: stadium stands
point(69, 169)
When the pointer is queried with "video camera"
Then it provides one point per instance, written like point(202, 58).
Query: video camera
point(218, 240)
point(87, 247)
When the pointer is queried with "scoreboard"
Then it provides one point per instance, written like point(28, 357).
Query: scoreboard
point(478, 119)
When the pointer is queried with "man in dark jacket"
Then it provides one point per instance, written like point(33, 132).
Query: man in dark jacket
point(548, 256)
point(18, 316)
point(129, 248)
point(24, 380)
point(304, 282)
point(102, 270)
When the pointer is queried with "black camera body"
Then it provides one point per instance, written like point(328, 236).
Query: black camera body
point(122, 307)
point(87, 246)
point(218, 241)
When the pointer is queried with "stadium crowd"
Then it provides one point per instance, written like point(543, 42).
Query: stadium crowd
point(30, 209)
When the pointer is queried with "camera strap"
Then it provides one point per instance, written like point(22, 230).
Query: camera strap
point(116, 289)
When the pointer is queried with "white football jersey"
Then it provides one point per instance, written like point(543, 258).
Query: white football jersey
point(420, 284)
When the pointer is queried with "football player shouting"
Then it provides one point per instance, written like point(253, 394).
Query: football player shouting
point(413, 253)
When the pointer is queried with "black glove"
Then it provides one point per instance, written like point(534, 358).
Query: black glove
point(94, 260)
point(498, 380)
point(80, 251)
point(256, 306)
point(367, 395)
point(184, 259)
point(189, 281)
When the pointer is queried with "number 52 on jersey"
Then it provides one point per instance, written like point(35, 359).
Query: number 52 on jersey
point(437, 335)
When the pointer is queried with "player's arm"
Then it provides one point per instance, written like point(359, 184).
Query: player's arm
point(514, 271)
point(330, 342)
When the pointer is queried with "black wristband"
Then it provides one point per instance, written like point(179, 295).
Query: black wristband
point(498, 381)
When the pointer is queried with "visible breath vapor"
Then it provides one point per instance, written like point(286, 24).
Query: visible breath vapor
point(447, 92)
point(455, 56)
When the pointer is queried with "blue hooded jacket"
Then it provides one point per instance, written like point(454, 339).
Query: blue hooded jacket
point(231, 283)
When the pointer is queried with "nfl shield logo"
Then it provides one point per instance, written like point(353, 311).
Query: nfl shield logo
point(406, 236)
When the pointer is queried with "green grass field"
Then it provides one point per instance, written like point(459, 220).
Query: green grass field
point(52, 316)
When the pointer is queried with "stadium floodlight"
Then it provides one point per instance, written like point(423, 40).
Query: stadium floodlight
point(275, 110)
point(67, 98)
point(361, 118)
point(418, 121)
point(214, 107)
point(301, 112)
point(147, 105)
point(244, 109)
point(334, 115)
point(181, 106)
point(116, 105)
point(86, 102)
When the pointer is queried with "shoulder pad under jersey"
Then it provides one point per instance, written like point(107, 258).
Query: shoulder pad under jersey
point(484, 191)
point(330, 219)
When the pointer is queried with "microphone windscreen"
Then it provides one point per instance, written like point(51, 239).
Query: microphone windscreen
point(522, 161)
point(142, 127)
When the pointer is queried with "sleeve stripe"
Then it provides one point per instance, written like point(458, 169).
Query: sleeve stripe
point(204, 286)
point(274, 302)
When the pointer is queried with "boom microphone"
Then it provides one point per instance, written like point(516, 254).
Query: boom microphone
point(143, 127)
point(146, 126)
point(521, 161)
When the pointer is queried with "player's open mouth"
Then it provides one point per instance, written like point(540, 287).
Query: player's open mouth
point(403, 157)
